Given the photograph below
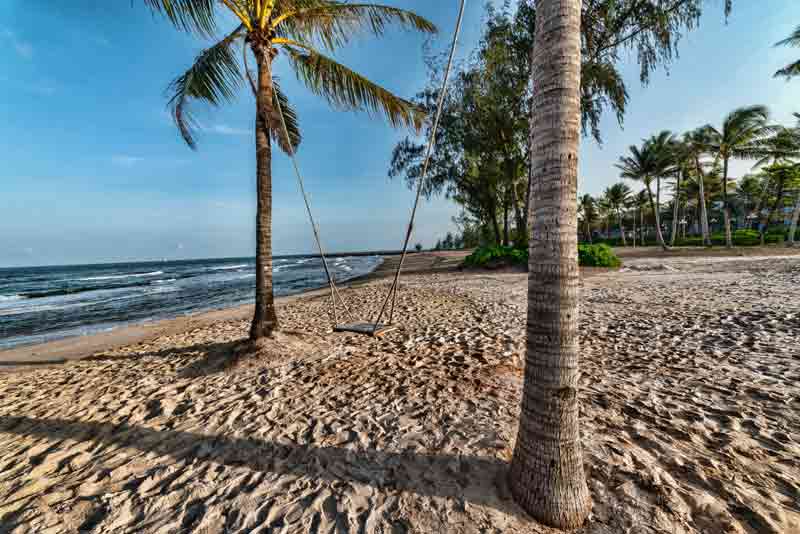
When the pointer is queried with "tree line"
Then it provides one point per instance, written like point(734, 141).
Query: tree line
point(695, 167)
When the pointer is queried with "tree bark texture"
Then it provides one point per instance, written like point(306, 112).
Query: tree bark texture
point(265, 320)
point(547, 475)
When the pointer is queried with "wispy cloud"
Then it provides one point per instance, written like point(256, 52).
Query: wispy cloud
point(223, 129)
point(125, 161)
point(23, 48)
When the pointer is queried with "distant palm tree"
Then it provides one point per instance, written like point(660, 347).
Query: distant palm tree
point(697, 143)
point(617, 197)
point(267, 28)
point(681, 154)
point(640, 201)
point(792, 69)
point(587, 209)
point(738, 138)
point(653, 161)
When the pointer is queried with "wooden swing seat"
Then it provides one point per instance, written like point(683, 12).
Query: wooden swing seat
point(369, 329)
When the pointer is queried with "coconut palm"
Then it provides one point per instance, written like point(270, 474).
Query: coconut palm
point(696, 143)
point(547, 476)
point(587, 210)
point(651, 162)
point(782, 177)
point(296, 30)
point(617, 197)
point(683, 168)
point(738, 138)
point(793, 69)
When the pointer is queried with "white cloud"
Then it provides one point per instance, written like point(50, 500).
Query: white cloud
point(125, 161)
point(224, 129)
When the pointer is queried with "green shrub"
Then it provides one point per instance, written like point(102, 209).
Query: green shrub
point(588, 256)
point(496, 256)
point(597, 256)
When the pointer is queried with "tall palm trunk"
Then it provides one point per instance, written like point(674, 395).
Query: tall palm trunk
point(795, 217)
point(547, 476)
point(702, 201)
point(654, 207)
point(634, 228)
point(726, 211)
point(264, 320)
point(676, 204)
point(621, 228)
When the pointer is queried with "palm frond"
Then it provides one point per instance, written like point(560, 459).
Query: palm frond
point(289, 146)
point(333, 24)
point(792, 40)
point(345, 89)
point(193, 16)
point(214, 78)
point(789, 71)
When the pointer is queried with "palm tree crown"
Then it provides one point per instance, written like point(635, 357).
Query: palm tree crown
point(297, 28)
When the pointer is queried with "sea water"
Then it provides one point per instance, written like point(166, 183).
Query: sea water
point(40, 304)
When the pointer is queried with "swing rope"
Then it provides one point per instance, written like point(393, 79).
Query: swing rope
point(392, 295)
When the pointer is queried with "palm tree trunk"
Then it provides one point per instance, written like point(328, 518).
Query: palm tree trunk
point(634, 228)
point(703, 211)
point(768, 217)
point(676, 203)
point(654, 207)
point(547, 476)
point(621, 229)
point(795, 218)
point(726, 212)
point(265, 321)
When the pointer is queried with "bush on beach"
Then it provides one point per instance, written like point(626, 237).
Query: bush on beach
point(498, 256)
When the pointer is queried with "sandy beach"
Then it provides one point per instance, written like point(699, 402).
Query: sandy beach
point(690, 411)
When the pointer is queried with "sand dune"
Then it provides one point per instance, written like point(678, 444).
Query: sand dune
point(690, 414)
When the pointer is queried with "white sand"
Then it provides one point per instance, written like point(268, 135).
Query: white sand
point(690, 408)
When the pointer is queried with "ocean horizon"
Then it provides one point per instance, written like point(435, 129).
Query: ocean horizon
point(45, 303)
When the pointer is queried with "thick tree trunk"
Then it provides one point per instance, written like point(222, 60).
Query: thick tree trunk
point(265, 320)
point(795, 218)
point(703, 211)
point(726, 210)
point(654, 207)
point(676, 204)
point(621, 229)
point(547, 476)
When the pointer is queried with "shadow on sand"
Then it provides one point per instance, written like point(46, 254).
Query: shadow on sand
point(470, 479)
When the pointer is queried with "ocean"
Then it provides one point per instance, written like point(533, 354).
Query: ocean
point(40, 304)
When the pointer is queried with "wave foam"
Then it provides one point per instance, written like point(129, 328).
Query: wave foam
point(118, 276)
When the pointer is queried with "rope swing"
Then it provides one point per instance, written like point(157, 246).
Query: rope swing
point(376, 328)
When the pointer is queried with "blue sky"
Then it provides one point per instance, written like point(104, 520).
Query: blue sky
point(94, 170)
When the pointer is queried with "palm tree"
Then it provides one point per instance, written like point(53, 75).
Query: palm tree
point(617, 196)
point(782, 150)
point(639, 202)
point(652, 161)
point(588, 211)
point(738, 137)
point(793, 69)
point(547, 476)
point(683, 168)
point(696, 143)
point(297, 29)
point(795, 218)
